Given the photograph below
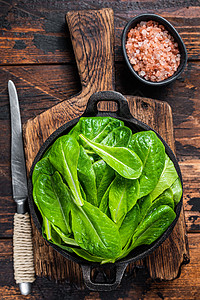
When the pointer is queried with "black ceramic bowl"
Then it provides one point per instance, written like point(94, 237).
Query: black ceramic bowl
point(147, 17)
point(123, 113)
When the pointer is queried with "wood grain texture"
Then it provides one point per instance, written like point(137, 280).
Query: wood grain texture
point(42, 86)
point(93, 48)
point(55, 83)
point(165, 262)
point(136, 285)
point(34, 32)
point(92, 38)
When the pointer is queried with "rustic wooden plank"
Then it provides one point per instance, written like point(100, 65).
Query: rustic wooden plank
point(185, 151)
point(158, 115)
point(185, 105)
point(41, 101)
point(96, 74)
point(92, 38)
point(183, 95)
point(59, 82)
point(191, 173)
point(188, 27)
point(186, 286)
point(35, 32)
point(192, 219)
point(93, 46)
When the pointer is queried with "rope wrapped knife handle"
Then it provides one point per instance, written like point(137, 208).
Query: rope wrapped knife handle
point(23, 249)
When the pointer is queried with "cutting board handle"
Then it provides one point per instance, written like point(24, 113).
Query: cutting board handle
point(92, 36)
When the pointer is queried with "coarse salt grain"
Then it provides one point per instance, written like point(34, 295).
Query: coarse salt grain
point(152, 51)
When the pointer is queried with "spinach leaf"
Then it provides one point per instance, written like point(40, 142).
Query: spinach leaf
point(52, 200)
point(82, 192)
point(122, 197)
point(151, 151)
point(50, 230)
point(92, 229)
point(95, 128)
point(114, 123)
point(46, 154)
point(165, 198)
point(55, 239)
point(129, 224)
point(95, 232)
point(86, 175)
point(122, 160)
point(99, 170)
point(144, 204)
point(75, 131)
point(91, 157)
point(64, 157)
point(176, 188)
point(46, 227)
point(104, 204)
point(167, 178)
point(167, 193)
point(65, 238)
point(119, 137)
point(43, 166)
point(153, 226)
point(86, 255)
point(104, 176)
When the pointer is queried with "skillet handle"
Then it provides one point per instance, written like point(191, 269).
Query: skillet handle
point(123, 108)
point(86, 269)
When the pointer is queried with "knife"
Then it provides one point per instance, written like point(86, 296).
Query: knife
point(24, 272)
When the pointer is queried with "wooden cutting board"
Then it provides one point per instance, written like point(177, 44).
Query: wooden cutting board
point(92, 35)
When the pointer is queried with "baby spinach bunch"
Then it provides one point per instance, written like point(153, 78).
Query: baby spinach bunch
point(103, 191)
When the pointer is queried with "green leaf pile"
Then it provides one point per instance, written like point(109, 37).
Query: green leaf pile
point(103, 191)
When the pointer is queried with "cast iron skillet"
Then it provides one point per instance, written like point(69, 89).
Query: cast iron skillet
point(123, 113)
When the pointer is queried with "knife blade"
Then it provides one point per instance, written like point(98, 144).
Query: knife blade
point(22, 239)
point(18, 169)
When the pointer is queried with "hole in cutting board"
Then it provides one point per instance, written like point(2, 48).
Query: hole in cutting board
point(107, 106)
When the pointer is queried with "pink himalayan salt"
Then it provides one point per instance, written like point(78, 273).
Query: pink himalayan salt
point(152, 51)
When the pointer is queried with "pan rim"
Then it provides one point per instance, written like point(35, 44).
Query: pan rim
point(148, 249)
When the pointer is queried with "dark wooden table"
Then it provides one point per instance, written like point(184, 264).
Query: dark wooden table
point(35, 50)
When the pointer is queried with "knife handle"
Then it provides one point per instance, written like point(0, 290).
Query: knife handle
point(24, 272)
